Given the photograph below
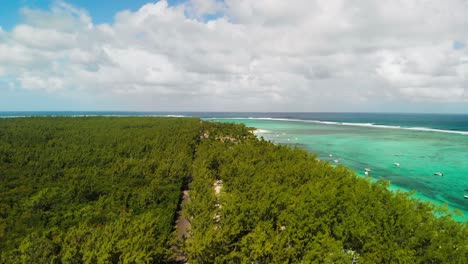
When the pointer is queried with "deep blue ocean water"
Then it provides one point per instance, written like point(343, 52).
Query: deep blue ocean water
point(422, 144)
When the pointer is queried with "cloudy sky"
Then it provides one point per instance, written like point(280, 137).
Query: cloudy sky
point(234, 55)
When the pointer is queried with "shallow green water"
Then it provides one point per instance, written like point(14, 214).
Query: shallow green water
point(420, 154)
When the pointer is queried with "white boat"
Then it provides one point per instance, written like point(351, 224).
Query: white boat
point(336, 161)
point(438, 173)
point(367, 169)
point(330, 155)
point(397, 164)
point(466, 196)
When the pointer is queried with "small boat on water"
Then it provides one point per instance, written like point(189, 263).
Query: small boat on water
point(466, 194)
point(330, 155)
point(438, 173)
point(396, 164)
point(367, 169)
point(336, 161)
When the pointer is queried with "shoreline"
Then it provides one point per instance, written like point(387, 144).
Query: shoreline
point(302, 117)
point(336, 123)
point(415, 194)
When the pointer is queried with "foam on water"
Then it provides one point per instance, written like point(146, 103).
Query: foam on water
point(261, 131)
point(371, 125)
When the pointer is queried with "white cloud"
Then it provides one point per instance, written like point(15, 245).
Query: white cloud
point(200, 8)
point(49, 84)
point(43, 38)
point(62, 17)
point(298, 55)
point(434, 93)
point(426, 73)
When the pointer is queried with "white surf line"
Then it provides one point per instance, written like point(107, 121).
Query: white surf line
point(371, 125)
point(260, 131)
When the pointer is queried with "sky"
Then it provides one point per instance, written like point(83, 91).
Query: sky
point(234, 55)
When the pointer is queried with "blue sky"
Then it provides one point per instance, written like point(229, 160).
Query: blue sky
point(234, 55)
point(101, 11)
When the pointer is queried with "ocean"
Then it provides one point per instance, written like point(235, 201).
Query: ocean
point(424, 153)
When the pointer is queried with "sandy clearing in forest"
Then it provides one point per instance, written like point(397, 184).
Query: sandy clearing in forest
point(218, 185)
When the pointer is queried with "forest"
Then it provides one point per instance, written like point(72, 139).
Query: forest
point(107, 190)
point(91, 190)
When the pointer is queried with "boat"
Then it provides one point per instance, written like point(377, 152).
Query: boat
point(330, 155)
point(438, 173)
point(367, 169)
point(336, 161)
point(466, 194)
point(397, 164)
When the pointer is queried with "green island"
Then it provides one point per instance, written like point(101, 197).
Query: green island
point(109, 190)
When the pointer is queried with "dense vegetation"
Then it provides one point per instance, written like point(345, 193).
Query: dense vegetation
point(93, 190)
point(282, 205)
point(106, 190)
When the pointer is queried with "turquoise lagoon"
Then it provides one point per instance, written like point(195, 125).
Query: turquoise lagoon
point(421, 143)
point(420, 154)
